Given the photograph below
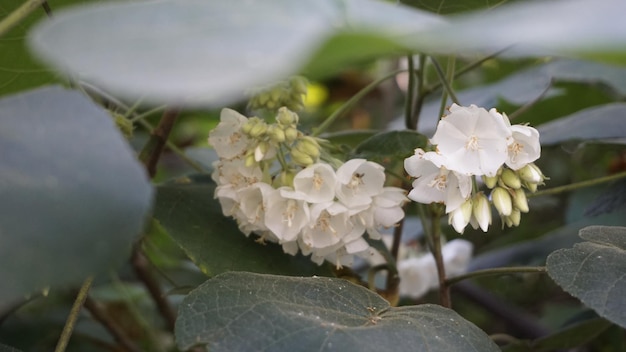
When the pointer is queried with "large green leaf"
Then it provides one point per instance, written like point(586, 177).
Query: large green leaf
point(388, 147)
point(209, 52)
point(186, 208)
point(593, 271)
point(598, 122)
point(530, 28)
point(72, 194)
point(244, 311)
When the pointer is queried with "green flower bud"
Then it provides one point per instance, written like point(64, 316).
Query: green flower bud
point(530, 186)
point(308, 145)
point(260, 151)
point(276, 94)
point(519, 200)
point(299, 84)
point(285, 178)
point(286, 117)
point(490, 181)
point(247, 127)
point(250, 159)
point(263, 98)
point(291, 134)
point(531, 174)
point(258, 130)
point(301, 158)
point(276, 134)
point(123, 124)
point(502, 201)
point(510, 179)
point(513, 219)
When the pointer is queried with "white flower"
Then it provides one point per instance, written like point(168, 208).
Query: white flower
point(481, 212)
point(460, 217)
point(473, 139)
point(314, 184)
point(236, 173)
point(417, 275)
point(434, 184)
point(329, 223)
point(387, 206)
point(358, 180)
point(252, 204)
point(525, 147)
point(456, 256)
point(286, 217)
point(227, 138)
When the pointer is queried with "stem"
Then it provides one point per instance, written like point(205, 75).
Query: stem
point(446, 80)
point(154, 148)
point(348, 104)
point(444, 290)
point(421, 93)
point(496, 271)
point(578, 185)
point(71, 319)
point(110, 325)
point(397, 236)
point(18, 15)
point(140, 264)
point(410, 95)
point(528, 105)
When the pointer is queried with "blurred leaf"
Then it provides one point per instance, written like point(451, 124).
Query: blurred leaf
point(386, 147)
point(186, 208)
point(594, 271)
point(528, 28)
point(447, 7)
point(5, 348)
point(598, 122)
point(209, 52)
point(350, 138)
point(71, 191)
point(569, 337)
point(244, 311)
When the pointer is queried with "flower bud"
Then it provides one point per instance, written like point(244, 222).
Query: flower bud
point(519, 200)
point(258, 129)
point(502, 201)
point(460, 217)
point(291, 134)
point(530, 186)
point(308, 145)
point(285, 117)
point(481, 211)
point(260, 151)
point(299, 84)
point(490, 181)
point(510, 179)
point(276, 94)
point(250, 159)
point(285, 178)
point(276, 134)
point(513, 219)
point(531, 174)
point(301, 158)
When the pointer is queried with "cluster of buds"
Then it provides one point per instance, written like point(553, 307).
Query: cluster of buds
point(271, 180)
point(472, 142)
point(289, 93)
point(507, 191)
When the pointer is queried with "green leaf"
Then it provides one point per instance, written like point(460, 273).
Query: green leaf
point(570, 337)
point(593, 271)
point(598, 122)
point(244, 311)
point(210, 52)
point(186, 208)
point(447, 7)
point(587, 28)
point(387, 147)
point(71, 191)
point(5, 348)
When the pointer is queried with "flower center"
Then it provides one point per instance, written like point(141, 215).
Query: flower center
point(439, 182)
point(515, 148)
point(234, 138)
point(472, 143)
point(356, 181)
point(323, 223)
point(318, 181)
point(290, 212)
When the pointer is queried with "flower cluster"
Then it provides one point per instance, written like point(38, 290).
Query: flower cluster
point(289, 93)
point(469, 142)
point(272, 182)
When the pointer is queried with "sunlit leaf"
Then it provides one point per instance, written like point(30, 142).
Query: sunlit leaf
point(244, 311)
point(186, 208)
point(593, 271)
point(71, 191)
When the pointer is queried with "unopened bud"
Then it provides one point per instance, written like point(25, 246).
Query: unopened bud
point(276, 134)
point(490, 181)
point(250, 159)
point(510, 179)
point(519, 200)
point(275, 94)
point(258, 129)
point(301, 158)
point(285, 178)
point(513, 219)
point(260, 151)
point(481, 211)
point(530, 186)
point(286, 117)
point(460, 217)
point(299, 84)
point(308, 145)
point(502, 201)
point(531, 174)
point(291, 134)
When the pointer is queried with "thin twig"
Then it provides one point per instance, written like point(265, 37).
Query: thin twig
point(410, 94)
point(46, 7)
point(446, 80)
point(421, 93)
point(444, 289)
point(496, 271)
point(110, 325)
point(578, 185)
point(529, 104)
point(141, 266)
point(18, 15)
point(71, 319)
point(152, 151)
